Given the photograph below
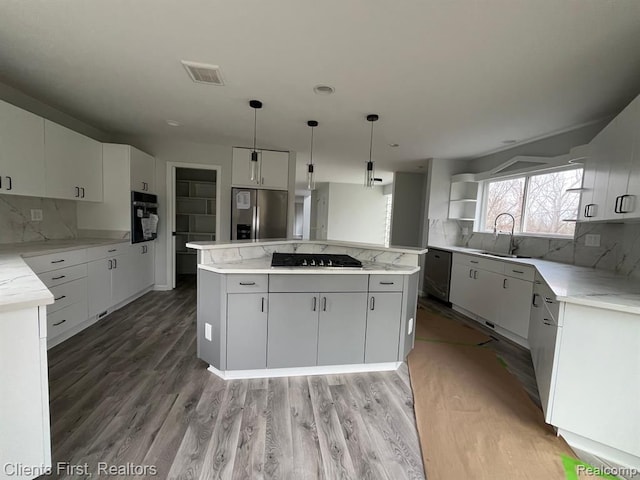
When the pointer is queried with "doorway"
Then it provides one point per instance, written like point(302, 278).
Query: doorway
point(194, 214)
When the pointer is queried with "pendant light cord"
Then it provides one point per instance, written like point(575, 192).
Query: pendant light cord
point(311, 154)
point(255, 123)
point(371, 143)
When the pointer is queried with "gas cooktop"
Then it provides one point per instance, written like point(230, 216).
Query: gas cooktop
point(314, 260)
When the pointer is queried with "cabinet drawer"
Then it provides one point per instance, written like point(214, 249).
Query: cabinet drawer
point(386, 283)
point(55, 261)
point(104, 251)
point(318, 283)
point(247, 283)
point(543, 295)
point(477, 261)
point(63, 275)
point(68, 294)
point(66, 318)
point(524, 272)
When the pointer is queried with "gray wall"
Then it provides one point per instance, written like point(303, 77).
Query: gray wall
point(409, 191)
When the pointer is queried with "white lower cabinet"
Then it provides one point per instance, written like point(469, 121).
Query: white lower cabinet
point(24, 402)
point(109, 283)
point(142, 271)
point(497, 293)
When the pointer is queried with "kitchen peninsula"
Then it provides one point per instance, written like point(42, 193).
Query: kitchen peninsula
point(255, 320)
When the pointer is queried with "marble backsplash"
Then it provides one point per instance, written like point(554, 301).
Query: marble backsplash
point(234, 254)
point(619, 248)
point(59, 219)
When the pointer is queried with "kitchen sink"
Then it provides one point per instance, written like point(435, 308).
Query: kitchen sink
point(503, 255)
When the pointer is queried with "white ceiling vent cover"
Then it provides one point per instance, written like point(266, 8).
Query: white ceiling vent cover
point(204, 73)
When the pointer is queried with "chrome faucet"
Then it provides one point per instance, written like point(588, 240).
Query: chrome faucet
point(512, 247)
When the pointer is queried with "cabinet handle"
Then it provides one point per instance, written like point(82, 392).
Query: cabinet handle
point(77, 192)
point(59, 323)
point(115, 263)
point(314, 304)
point(489, 324)
point(471, 273)
point(58, 277)
point(112, 250)
point(10, 183)
point(533, 301)
point(437, 256)
point(247, 283)
point(587, 210)
point(548, 300)
point(324, 304)
point(372, 303)
point(546, 321)
point(518, 271)
point(618, 204)
point(622, 197)
point(0, 181)
point(110, 264)
point(57, 261)
point(82, 188)
point(473, 261)
point(475, 274)
point(504, 283)
point(59, 298)
point(262, 306)
point(387, 283)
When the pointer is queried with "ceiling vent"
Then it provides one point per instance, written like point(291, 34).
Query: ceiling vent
point(203, 73)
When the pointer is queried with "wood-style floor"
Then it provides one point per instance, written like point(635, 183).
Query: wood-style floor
point(130, 390)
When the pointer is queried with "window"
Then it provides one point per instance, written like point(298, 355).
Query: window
point(542, 204)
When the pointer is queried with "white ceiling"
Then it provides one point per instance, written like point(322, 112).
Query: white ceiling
point(448, 78)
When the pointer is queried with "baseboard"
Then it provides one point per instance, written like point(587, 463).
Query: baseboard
point(162, 288)
point(304, 371)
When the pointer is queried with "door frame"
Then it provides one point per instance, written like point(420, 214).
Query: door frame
point(171, 208)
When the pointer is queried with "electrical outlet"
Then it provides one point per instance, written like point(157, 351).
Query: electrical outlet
point(36, 215)
point(592, 240)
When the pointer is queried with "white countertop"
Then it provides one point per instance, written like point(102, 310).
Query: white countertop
point(21, 288)
point(263, 266)
point(259, 243)
point(580, 285)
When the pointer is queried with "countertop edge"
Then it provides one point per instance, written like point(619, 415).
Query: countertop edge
point(306, 271)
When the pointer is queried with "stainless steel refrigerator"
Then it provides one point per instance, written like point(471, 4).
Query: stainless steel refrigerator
point(258, 214)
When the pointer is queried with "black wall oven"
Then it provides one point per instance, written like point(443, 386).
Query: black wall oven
point(144, 217)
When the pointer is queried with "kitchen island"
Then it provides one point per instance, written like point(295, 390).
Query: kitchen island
point(255, 320)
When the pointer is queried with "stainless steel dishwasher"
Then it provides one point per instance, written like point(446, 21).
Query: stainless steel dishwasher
point(437, 273)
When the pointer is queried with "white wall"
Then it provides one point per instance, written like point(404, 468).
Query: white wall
point(409, 191)
point(356, 214)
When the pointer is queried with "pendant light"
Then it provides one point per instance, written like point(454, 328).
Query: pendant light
point(311, 182)
point(369, 174)
point(255, 104)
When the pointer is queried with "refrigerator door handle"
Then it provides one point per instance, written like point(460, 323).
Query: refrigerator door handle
point(257, 222)
point(254, 223)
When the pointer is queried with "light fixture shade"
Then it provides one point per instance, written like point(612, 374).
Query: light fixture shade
point(254, 168)
point(311, 181)
point(369, 173)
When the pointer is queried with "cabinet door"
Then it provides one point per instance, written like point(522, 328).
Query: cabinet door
point(99, 286)
point(383, 327)
point(462, 288)
point(274, 170)
point(149, 265)
point(241, 168)
point(547, 332)
point(24, 402)
point(633, 188)
point(143, 171)
point(142, 267)
point(483, 290)
point(246, 331)
point(588, 184)
point(341, 332)
point(121, 278)
point(514, 304)
point(73, 164)
point(21, 152)
point(292, 338)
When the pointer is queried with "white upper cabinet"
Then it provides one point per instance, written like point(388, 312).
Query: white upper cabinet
point(143, 169)
point(73, 164)
point(21, 152)
point(273, 169)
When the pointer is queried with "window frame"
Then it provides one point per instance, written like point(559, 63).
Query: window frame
point(479, 225)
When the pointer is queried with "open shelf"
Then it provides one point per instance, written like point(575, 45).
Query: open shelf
point(463, 197)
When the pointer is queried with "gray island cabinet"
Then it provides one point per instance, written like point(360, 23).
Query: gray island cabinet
point(252, 325)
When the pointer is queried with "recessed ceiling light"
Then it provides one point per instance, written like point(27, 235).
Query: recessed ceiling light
point(509, 142)
point(394, 145)
point(173, 123)
point(324, 89)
